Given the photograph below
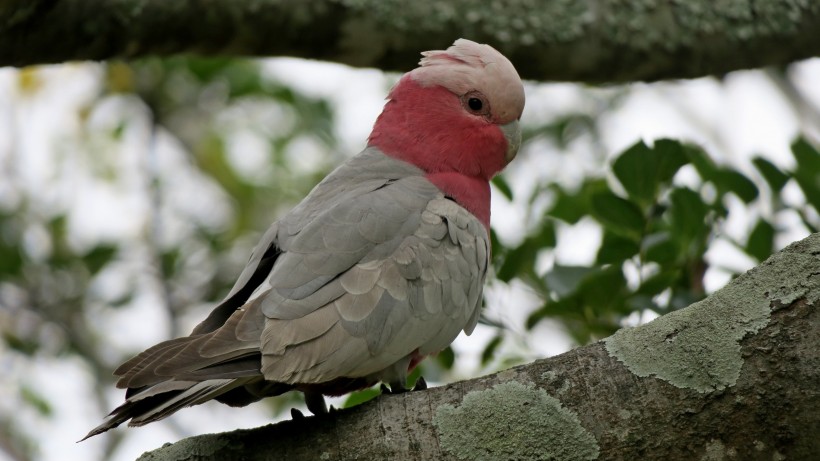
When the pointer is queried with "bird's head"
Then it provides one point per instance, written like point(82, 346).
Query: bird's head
point(457, 112)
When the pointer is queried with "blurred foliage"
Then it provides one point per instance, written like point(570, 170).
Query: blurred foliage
point(47, 304)
point(655, 230)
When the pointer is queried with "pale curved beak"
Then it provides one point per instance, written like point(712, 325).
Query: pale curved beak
point(512, 131)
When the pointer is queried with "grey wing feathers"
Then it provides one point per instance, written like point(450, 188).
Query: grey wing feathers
point(373, 268)
point(407, 285)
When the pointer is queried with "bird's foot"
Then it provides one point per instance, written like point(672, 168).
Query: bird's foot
point(398, 388)
point(385, 390)
point(315, 402)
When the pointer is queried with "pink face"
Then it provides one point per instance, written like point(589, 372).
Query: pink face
point(439, 131)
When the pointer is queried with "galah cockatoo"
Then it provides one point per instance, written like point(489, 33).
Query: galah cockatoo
point(381, 265)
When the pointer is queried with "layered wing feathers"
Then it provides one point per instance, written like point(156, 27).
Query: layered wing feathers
point(408, 288)
point(373, 268)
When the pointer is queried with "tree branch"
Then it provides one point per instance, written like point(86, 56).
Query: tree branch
point(592, 40)
point(732, 376)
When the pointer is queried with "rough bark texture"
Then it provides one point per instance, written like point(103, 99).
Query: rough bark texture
point(732, 377)
point(581, 40)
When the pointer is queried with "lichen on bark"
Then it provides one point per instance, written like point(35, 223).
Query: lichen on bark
point(699, 347)
point(513, 421)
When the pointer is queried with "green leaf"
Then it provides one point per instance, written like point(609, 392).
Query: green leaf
point(602, 288)
point(360, 397)
point(682, 298)
point(660, 248)
point(568, 207)
point(655, 284)
point(414, 375)
point(515, 261)
point(565, 307)
point(807, 172)
point(169, 260)
point(25, 346)
point(704, 164)
point(641, 302)
point(564, 280)
point(503, 186)
point(545, 237)
point(634, 168)
point(446, 358)
point(618, 214)
point(670, 157)
point(34, 399)
point(535, 317)
point(61, 253)
point(521, 259)
point(616, 249)
point(489, 350)
point(11, 261)
point(687, 214)
point(761, 240)
point(642, 170)
point(498, 249)
point(571, 207)
point(98, 257)
point(808, 158)
point(737, 183)
point(771, 173)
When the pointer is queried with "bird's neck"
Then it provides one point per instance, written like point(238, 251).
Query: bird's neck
point(427, 127)
point(470, 192)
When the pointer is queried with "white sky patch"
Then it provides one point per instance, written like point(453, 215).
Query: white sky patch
point(724, 258)
point(805, 76)
point(639, 318)
point(357, 95)
point(507, 218)
point(761, 121)
point(648, 113)
point(304, 153)
point(578, 244)
point(135, 326)
point(250, 155)
point(102, 212)
point(67, 385)
point(792, 228)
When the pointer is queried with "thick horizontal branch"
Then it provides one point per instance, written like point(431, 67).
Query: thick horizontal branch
point(732, 377)
point(591, 40)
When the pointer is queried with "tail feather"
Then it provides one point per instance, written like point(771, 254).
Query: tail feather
point(160, 401)
point(237, 368)
point(131, 407)
point(198, 393)
point(191, 370)
point(190, 354)
point(135, 372)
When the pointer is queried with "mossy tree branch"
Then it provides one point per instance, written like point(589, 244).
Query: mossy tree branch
point(731, 377)
point(591, 40)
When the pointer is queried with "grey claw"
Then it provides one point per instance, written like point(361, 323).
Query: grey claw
point(421, 384)
point(296, 414)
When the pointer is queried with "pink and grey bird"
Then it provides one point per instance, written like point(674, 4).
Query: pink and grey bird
point(381, 265)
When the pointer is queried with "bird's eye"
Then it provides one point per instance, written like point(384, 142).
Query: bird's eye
point(475, 103)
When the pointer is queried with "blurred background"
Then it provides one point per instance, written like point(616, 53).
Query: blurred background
point(131, 195)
